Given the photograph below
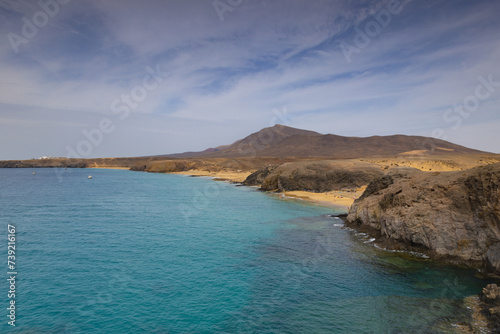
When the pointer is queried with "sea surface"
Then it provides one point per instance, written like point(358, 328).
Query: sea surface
point(133, 252)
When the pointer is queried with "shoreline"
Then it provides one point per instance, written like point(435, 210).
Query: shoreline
point(337, 199)
point(338, 208)
point(236, 177)
point(108, 167)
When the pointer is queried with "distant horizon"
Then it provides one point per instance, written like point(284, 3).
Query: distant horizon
point(227, 144)
point(130, 78)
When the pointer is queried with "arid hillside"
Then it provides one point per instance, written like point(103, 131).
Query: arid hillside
point(283, 141)
point(453, 215)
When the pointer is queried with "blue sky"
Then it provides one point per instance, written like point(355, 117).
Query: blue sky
point(134, 78)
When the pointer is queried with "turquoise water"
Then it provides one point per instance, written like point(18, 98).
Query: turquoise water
point(130, 252)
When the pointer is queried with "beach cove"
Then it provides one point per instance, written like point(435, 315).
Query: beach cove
point(210, 257)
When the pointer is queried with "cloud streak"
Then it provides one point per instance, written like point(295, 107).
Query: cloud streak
point(225, 78)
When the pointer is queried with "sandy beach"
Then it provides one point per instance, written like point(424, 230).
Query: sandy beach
point(343, 199)
point(220, 176)
point(108, 167)
point(336, 198)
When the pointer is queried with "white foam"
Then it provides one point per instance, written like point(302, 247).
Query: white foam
point(417, 254)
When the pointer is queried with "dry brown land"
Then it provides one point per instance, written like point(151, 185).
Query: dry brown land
point(109, 167)
point(339, 198)
point(437, 163)
point(237, 169)
point(233, 176)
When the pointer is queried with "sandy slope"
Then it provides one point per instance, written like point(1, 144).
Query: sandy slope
point(233, 176)
point(342, 199)
point(108, 167)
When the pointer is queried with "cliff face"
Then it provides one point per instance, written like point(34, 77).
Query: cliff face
point(452, 214)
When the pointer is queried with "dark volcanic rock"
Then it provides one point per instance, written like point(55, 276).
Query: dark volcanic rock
point(451, 214)
point(490, 298)
point(377, 185)
point(317, 176)
point(491, 294)
point(258, 177)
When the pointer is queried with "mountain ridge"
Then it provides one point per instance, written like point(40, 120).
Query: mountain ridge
point(281, 141)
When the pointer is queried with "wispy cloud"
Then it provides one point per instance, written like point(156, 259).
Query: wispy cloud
point(223, 79)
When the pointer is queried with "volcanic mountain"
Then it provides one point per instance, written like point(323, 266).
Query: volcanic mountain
point(284, 141)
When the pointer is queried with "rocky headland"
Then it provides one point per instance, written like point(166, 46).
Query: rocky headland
point(315, 176)
point(452, 216)
point(449, 215)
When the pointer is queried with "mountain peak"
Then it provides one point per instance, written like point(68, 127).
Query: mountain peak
point(288, 130)
point(280, 126)
point(282, 141)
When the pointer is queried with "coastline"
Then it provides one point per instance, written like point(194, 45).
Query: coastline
point(236, 177)
point(313, 226)
point(341, 200)
point(108, 167)
point(338, 198)
point(338, 201)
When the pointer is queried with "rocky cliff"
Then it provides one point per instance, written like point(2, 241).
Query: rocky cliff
point(453, 215)
point(316, 176)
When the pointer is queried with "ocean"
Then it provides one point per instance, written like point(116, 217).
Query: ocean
point(133, 252)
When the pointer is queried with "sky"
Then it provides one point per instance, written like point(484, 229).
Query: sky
point(115, 78)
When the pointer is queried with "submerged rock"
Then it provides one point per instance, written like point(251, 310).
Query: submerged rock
point(490, 306)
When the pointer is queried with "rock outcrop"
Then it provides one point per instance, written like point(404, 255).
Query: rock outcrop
point(258, 177)
point(490, 298)
point(453, 215)
point(316, 176)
